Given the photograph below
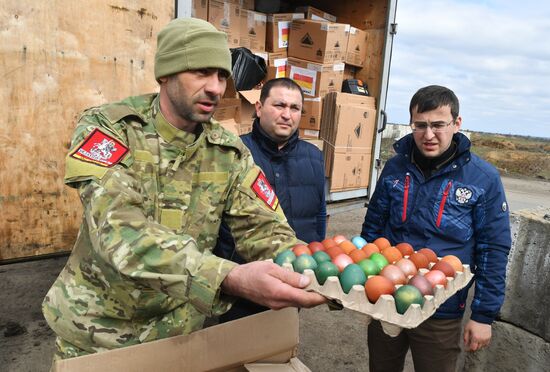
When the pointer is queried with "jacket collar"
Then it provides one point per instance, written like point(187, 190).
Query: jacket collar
point(268, 145)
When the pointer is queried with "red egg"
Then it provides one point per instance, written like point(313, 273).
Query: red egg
point(315, 247)
point(430, 254)
point(328, 242)
point(454, 261)
point(347, 246)
point(377, 286)
point(423, 285)
point(358, 255)
point(407, 266)
point(405, 248)
point(419, 260)
point(392, 254)
point(447, 269)
point(382, 243)
point(436, 277)
point(300, 249)
point(341, 261)
point(394, 274)
point(370, 248)
point(338, 238)
point(334, 251)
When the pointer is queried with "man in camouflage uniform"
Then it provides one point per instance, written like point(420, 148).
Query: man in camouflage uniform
point(155, 174)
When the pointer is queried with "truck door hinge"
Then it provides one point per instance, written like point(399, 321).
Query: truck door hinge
point(393, 28)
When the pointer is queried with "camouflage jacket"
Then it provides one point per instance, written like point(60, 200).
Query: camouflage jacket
point(142, 267)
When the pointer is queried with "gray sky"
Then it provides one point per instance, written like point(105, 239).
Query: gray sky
point(494, 54)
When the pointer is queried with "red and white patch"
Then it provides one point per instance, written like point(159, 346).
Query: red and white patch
point(263, 189)
point(101, 149)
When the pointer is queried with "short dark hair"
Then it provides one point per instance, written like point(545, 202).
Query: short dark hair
point(279, 82)
point(434, 96)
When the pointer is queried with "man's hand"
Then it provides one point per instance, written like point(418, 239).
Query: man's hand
point(476, 335)
point(270, 285)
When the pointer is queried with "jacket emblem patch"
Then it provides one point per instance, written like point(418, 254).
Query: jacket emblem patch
point(463, 195)
point(101, 149)
point(263, 189)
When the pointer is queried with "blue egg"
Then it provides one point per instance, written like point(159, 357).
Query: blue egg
point(358, 241)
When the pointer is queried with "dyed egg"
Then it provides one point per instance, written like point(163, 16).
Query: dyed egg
point(328, 242)
point(300, 249)
point(405, 248)
point(377, 286)
point(352, 275)
point(419, 260)
point(369, 267)
point(379, 260)
point(394, 274)
point(324, 270)
point(334, 251)
point(392, 254)
point(436, 277)
point(407, 266)
point(357, 255)
point(445, 267)
point(316, 246)
point(347, 246)
point(382, 243)
point(304, 262)
point(338, 238)
point(321, 256)
point(358, 241)
point(286, 256)
point(370, 248)
point(405, 296)
point(423, 285)
point(341, 261)
point(454, 261)
point(430, 254)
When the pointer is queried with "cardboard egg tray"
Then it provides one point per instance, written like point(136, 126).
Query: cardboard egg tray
point(384, 309)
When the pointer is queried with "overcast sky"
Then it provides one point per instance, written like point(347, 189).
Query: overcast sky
point(494, 54)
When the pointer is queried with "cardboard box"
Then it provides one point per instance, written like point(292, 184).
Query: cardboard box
point(276, 63)
point(278, 29)
point(350, 171)
point(248, 105)
point(349, 72)
point(315, 79)
point(268, 337)
point(244, 4)
point(321, 42)
point(316, 142)
point(226, 17)
point(199, 9)
point(308, 133)
point(311, 114)
point(316, 14)
point(237, 129)
point(253, 29)
point(356, 49)
point(228, 108)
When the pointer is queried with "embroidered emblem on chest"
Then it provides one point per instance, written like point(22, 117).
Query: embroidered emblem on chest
point(463, 195)
point(263, 189)
point(100, 149)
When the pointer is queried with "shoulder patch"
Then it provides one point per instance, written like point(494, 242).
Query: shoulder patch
point(263, 189)
point(101, 149)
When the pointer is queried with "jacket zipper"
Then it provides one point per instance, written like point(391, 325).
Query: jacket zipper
point(442, 205)
point(405, 198)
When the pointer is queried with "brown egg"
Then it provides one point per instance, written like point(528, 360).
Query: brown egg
point(341, 261)
point(328, 242)
point(394, 274)
point(419, 260)
point(347, 246)
point(358, 255)
point(407, 266)
point(445, 267)
point(436, 277)
point(392, 254)
point(405, 248)
point(423, 285)
point(316, 246)
point(454, 261)
point(370, 248)
point(430, 254)
point(334, 251)
point(382, 243)
point(338, 238)
point(377, 286)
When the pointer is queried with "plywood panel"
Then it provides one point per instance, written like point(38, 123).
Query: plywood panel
point(57, 58)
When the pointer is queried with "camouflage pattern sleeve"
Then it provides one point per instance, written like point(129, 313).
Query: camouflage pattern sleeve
point(255, 217)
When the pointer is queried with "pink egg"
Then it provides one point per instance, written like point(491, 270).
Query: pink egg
point(407, 266)
point(436, 277)
point(341, 261)
point(394, 274)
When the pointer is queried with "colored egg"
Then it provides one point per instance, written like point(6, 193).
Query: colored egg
point(369, 267)
point(321, 256)
point(436, 277)
point(379, 260)
point(357, 255)
point(341, 261)
point(370, 248)
point(446, 267)
point(430, 254)
point(300, 249)
point(407, 266)
point(347, 246)
point(358, 241)
point(334, 251)
point(392, 254)
point(338, 238)
point(324, 270)
point(382, 243)
point(286, 256)
point(377, 286)
point(419, 260)
point(352, 275)
point(405, 248)
point(423, 285)
point(405, 296)
point(394, 274)
point(316, 246)
point(304, 262)
point(454, 261)
point(328, 242)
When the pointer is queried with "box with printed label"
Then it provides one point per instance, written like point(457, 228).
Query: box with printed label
point(226, 17)
point(253, 30)
point(308, 133)
point(278, 29)
point(356, 49)
point(311, 114)
point(315, 79)
point(276, 63)
point(316, 14)
point(321, 42)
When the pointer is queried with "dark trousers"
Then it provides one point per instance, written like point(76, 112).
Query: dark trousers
point(435, 346)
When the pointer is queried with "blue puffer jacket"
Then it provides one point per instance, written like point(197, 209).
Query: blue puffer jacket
point(297, 174)
point(460, 210)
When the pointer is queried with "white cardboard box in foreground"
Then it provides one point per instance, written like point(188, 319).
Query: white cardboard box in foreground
point(267, 342)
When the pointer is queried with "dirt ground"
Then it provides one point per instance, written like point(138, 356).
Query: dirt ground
point(329, 340)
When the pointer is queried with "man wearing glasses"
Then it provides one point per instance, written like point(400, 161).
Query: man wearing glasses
point(435, 193)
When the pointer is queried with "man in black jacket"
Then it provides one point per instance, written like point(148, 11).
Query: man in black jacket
point(293, 167)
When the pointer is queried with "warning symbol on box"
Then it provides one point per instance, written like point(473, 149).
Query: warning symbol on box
point(357, 130)
point(307, 40)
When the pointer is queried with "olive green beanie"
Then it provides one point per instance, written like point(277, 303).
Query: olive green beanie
point(190, 44)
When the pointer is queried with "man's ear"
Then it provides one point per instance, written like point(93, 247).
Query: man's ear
point(258, 106)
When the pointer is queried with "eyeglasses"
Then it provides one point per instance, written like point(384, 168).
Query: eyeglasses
point(435, 126)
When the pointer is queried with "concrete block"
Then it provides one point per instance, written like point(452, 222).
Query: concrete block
point(527, 302)
point(512, 349)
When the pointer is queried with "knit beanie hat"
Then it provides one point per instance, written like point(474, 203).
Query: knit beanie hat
point(190, 44)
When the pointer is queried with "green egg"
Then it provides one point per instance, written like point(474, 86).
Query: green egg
point(303, 262)
point(379, 260)
point(405, 296)
point(284, 257)
point(369, 267)
point(324, 270)
point(353, 274)
point(321, 256)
